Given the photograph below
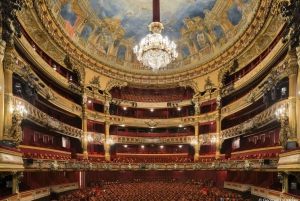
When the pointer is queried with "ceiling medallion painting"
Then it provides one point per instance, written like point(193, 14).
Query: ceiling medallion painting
point(108, 30)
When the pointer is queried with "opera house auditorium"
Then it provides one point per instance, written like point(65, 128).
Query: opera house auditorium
point(124, 100)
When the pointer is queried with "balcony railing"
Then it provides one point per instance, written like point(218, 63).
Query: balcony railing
point(42, 118)
point(260, 119)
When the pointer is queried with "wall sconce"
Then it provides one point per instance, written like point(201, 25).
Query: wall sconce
point(90, 138)
point(193, 142)
point(54, 67)
point(213, 140)
point(70, 78)
point(20, 110)
point(110, 142)
point(280, 113)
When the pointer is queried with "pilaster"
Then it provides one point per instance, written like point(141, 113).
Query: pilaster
point(197, 144)
point(218, 131)
point(107, 142)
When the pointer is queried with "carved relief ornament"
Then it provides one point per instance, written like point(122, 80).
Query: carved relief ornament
point(114, 83)
point(190, 83)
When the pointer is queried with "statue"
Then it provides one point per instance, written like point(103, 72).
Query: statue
point(84, 98)
point(218, 101)
point(54, 165)
point(106, 107)
point(15, 130)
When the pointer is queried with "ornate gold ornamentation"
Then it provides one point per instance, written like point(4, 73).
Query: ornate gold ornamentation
point(15, 130)
point(230, 67)
point(251, 97)
point(10, 24)
point(152, 123)
point(190, 83)
point(248, 165)
point(49, 94)
point(8, 64)
point(114, 83)
point(95, 81)
point(54, 165)
point(208, 84)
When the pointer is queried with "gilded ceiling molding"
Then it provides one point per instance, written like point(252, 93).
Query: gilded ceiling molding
point(114, 83)
point(277, 5)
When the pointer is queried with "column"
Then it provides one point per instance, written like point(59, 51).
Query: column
point(107, 142)
point(197, 143)
point(218, 133)
point(84, 141)
point(298, 96)
point(2, 51)
point(292, 72)
point(15, 182)
point(283, 178)
point(8, 64)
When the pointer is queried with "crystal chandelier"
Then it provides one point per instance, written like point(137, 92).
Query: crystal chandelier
point(155, 51)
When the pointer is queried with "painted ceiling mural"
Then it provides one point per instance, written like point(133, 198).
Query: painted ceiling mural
point(108, 29)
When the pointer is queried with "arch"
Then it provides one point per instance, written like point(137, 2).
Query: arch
point(185, 51)
point(218, 31)
point(86, 32)
point(121, 52)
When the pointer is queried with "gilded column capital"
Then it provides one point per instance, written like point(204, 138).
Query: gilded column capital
point(218, 117)
point(9, 64)
point(292, 69)
point(8, 98)
point(195, 124)
point(108, 122)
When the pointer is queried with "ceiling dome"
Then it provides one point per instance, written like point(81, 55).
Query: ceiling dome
point(108, 30)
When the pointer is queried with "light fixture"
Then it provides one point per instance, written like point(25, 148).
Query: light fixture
point(151, 110)
point(89, 101)
point(124, 108)
point(125, 146)
point(110, 142)
point(142, 146)
point(90, 138)
point(213, 140)
point(180, 125)
point(161, 146)
point(154, 51)
point(179, 109)
point(193, 142)
point(20, 110)
point(180, 146)
point(54, 67)
point(280, 113)
point(71, 78)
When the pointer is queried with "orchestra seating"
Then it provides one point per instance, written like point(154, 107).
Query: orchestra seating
point(152, 160)
point(167, 189)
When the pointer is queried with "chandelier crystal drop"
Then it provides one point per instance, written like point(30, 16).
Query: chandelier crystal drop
point(155, 51)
